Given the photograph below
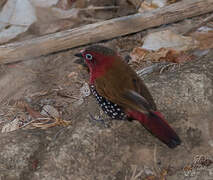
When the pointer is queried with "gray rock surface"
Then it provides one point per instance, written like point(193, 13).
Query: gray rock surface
point(88, 151)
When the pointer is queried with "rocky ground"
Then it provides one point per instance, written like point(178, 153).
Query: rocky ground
point(117, 149)
point(110, 150)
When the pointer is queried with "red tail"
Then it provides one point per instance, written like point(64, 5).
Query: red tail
point(156, 124)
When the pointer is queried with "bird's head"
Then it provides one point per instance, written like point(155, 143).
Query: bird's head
point(98, 58)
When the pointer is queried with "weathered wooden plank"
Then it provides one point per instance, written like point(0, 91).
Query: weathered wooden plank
point(103, 30)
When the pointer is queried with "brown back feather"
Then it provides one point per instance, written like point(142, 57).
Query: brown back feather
point(118, 81)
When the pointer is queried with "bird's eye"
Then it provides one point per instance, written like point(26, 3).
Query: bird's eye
point(88, 56)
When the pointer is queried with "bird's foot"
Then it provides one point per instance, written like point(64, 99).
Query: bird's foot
point(106, 122)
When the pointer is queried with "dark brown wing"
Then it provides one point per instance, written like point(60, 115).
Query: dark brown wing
point(119, 84)
point(142, 89)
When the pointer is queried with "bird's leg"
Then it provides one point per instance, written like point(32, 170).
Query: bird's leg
point(103, 121)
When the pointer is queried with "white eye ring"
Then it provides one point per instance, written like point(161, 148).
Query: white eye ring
point(88, 56)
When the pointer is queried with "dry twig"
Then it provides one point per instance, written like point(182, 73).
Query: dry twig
point(203, 23)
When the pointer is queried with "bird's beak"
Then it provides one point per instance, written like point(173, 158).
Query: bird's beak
point(80, 60)
point(79, 55)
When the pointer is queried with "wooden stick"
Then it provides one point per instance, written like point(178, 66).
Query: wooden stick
point(203, 23)
point(103, 30)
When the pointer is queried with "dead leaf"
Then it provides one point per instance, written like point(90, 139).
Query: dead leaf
point(164, 54)
point(164, 46)
point(154, 4)
point(48, 110)
point(168, 39)
point(146, 6)
point(15, 18)
point(177, 57)
point(21, 120)
point(49, 117)
point(138, 54)
point(65, 4)
point(11, 126)
point(205, 39)
point(26, 107)
point(44, 3)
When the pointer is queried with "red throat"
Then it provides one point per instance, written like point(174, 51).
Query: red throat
point(100, 67)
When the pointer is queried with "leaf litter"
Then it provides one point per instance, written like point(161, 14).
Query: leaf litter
point(49, 115)
point(164, 46)
point(28, 118)
point(16, 17)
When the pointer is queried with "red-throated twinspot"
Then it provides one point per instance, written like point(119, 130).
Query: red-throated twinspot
point(122, 94)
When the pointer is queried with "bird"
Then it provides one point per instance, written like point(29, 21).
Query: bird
point(122, 94)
